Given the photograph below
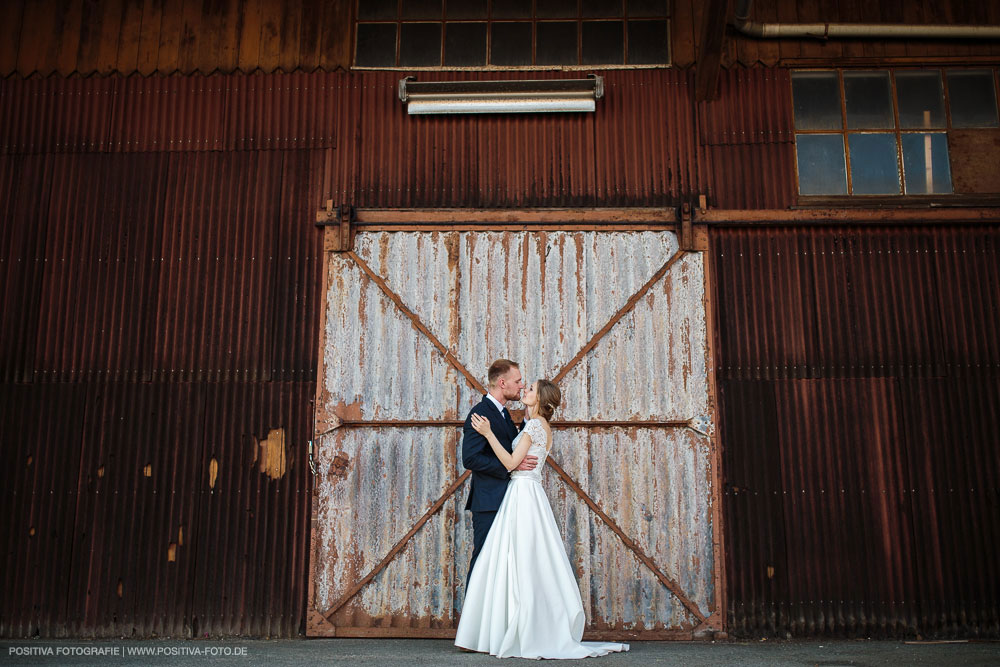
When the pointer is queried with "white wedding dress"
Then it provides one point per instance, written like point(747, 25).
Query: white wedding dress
point(522, 599)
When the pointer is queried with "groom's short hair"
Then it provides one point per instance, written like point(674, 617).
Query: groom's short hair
point(499, 368)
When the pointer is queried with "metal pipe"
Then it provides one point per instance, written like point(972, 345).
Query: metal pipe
point(742, 22)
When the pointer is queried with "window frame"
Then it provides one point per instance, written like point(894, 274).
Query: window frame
point(533, 20)
point(897, 131)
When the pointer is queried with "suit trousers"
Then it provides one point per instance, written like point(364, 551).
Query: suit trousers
point(481, 523)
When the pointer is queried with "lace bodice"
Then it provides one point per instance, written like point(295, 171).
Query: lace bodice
point(535, 429)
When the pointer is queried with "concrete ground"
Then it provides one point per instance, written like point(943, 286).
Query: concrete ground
point(384, 652)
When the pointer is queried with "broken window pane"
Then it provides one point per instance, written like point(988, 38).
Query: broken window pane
point(868, 98)
point(921, 99)
point(919, 151)
point(816, 99)
point(822, 169)
point(874, 164)
point(972, 98)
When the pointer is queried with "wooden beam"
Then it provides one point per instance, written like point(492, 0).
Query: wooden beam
point(713, 36)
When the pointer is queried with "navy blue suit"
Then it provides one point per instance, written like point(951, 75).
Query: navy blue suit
point(489, 476)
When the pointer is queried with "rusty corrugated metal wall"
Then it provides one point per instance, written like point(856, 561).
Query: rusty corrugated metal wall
point(859, 382)
point(157, 362)
point(159, 274)
point(647, 145)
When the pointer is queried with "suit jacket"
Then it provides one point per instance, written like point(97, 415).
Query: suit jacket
point(489, 476)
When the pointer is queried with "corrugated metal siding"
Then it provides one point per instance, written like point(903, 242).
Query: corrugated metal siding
point(561, 289)
point(748, 134)
point(647, 144)
point(158, 309)
point(55, 115)
point(859, 384)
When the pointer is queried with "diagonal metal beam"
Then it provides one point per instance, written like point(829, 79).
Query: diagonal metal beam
point(634, 299)
point(672, 585)
point(415, 321)
point(364, 581)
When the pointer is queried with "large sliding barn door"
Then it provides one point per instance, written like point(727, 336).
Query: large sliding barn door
point(412, 319)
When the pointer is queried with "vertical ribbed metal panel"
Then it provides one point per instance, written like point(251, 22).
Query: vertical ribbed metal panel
point(174, 113)
point(26, 198)
point(217, 267)
point(137, 504)
point(647, 149)
point(285, 111)
point(56, 115)
point(859, 381)
point(748, 136)
point(41, 428)
point(254, 494)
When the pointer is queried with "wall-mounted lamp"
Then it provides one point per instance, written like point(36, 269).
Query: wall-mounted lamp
point(544, 95)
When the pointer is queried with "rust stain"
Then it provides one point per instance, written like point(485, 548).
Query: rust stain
point(120, 589)
point(348, 410)
point(272, 454)
point(147, 470)
point(180, 535)
point(31, 532)
point(100, 471)
point(30, 459)
point(339, 465)
point(213, 472)
point(172, 552)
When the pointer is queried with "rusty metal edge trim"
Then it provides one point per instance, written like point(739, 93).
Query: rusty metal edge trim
point(718, 528)
point(671, 585)
point(415, 321)
point(609, 216)
point(438, 504)
point(941, 216)
point(634, 299)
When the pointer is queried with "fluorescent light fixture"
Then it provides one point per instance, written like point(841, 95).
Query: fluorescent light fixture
point(532, 96)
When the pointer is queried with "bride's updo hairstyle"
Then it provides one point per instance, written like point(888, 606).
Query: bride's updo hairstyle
point(549, 397)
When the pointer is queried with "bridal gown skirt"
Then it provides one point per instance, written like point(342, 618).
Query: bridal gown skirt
point(522, 599)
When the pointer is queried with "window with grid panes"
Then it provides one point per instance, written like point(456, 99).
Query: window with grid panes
point(488, 34)
point(885, 131)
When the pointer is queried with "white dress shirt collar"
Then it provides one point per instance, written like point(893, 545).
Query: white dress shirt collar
point(497, 403)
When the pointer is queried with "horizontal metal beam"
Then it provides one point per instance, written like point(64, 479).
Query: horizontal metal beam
point(477, 216)
point(954, 215)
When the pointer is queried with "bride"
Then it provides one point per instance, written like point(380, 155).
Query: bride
point(522, 599)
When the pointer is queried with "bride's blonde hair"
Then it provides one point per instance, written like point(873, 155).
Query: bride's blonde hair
point(549, 397)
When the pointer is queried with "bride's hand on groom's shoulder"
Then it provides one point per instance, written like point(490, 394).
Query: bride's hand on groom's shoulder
point(481, 424)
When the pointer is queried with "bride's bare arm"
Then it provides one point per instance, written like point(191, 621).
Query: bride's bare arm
point(509, 461)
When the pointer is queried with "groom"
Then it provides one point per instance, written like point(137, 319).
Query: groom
point(489, 476)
